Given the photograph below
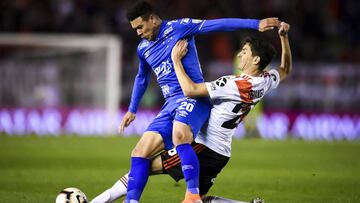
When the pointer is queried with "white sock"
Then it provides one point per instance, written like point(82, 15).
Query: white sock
point(214, 199)
point(118, 190)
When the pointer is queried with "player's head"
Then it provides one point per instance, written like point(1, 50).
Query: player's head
point(143, 20)
point(255, 53)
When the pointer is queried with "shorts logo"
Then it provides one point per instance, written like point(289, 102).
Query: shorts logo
point(183, 113)
point(187, 167)
point(188, 99)
point(212, 180)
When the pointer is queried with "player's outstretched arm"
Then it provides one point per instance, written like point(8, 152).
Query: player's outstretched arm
point(189, 88)
point(286, 59)
point(232, 24)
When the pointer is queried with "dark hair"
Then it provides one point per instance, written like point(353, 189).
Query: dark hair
point(261, 48)
point(139, 9)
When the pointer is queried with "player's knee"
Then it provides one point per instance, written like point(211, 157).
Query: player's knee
point(138, 152)
point(148, 145)
point(181, 137)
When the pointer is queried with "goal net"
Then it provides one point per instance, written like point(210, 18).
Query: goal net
point(55, 84)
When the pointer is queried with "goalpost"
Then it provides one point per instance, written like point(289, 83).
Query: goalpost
point(82, 71)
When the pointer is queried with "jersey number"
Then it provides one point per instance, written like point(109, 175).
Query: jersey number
point(172, 152)
point(187, 106)
point(232, 123)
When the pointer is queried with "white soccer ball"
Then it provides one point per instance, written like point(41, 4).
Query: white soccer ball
point(71, 195)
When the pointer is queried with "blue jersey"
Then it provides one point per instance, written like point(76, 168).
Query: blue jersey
point(156, 55)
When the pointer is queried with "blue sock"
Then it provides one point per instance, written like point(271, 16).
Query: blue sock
point(190, 167)
point(138, 176)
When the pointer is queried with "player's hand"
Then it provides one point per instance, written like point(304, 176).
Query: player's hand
point(127, 119)
point(283, 29)
point(269, 24)
point(179, 50)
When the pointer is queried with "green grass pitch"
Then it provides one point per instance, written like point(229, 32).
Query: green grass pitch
point(35, 169)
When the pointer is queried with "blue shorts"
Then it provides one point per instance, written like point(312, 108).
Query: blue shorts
point(193, 112)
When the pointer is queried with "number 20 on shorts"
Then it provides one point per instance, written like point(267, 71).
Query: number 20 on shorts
point(186, 106)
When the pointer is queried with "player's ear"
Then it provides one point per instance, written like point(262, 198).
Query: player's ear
point(256, 60)
point(152, 18)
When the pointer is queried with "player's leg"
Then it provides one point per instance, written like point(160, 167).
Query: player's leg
point(156, 165)
point(169, 162)
point(211, 164)
point(190, 116)
point(147, 146)
point(156, 138)
point(166, 162)
point(117, 191)
point(182, 136)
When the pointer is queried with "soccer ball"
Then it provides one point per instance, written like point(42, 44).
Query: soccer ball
point(71, 195)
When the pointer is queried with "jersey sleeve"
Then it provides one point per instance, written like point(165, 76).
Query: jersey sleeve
point(191, 27)
point(188, 27)
point(223, 88)
point(274, 79)
point(140, 84)
point(228, 24)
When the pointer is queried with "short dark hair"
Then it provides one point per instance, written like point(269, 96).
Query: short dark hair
point(140, 9)
point(261, 48)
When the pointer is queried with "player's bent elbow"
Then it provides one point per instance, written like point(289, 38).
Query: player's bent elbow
point(284, 72)
point(188, 93)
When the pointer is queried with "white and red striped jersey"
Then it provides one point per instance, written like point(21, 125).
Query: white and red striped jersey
point(232, 98)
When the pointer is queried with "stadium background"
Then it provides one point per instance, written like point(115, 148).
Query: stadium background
point(322, 93)
point(319, 101)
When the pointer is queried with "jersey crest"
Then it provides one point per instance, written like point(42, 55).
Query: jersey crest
point(221, 82)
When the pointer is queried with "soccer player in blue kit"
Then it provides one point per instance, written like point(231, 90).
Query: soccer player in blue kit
point(180, 118)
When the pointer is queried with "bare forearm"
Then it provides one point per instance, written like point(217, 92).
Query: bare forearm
point(186, 83)
point(189, 88)
point(286, 58)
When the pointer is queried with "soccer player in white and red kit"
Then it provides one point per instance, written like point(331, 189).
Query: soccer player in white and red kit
point(232, 98)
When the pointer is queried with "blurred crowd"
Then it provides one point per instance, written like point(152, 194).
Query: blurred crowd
point(331, 26)
point(318, 87)
point(321, 31)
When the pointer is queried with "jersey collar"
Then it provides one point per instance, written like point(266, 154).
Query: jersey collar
point(162, 27)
